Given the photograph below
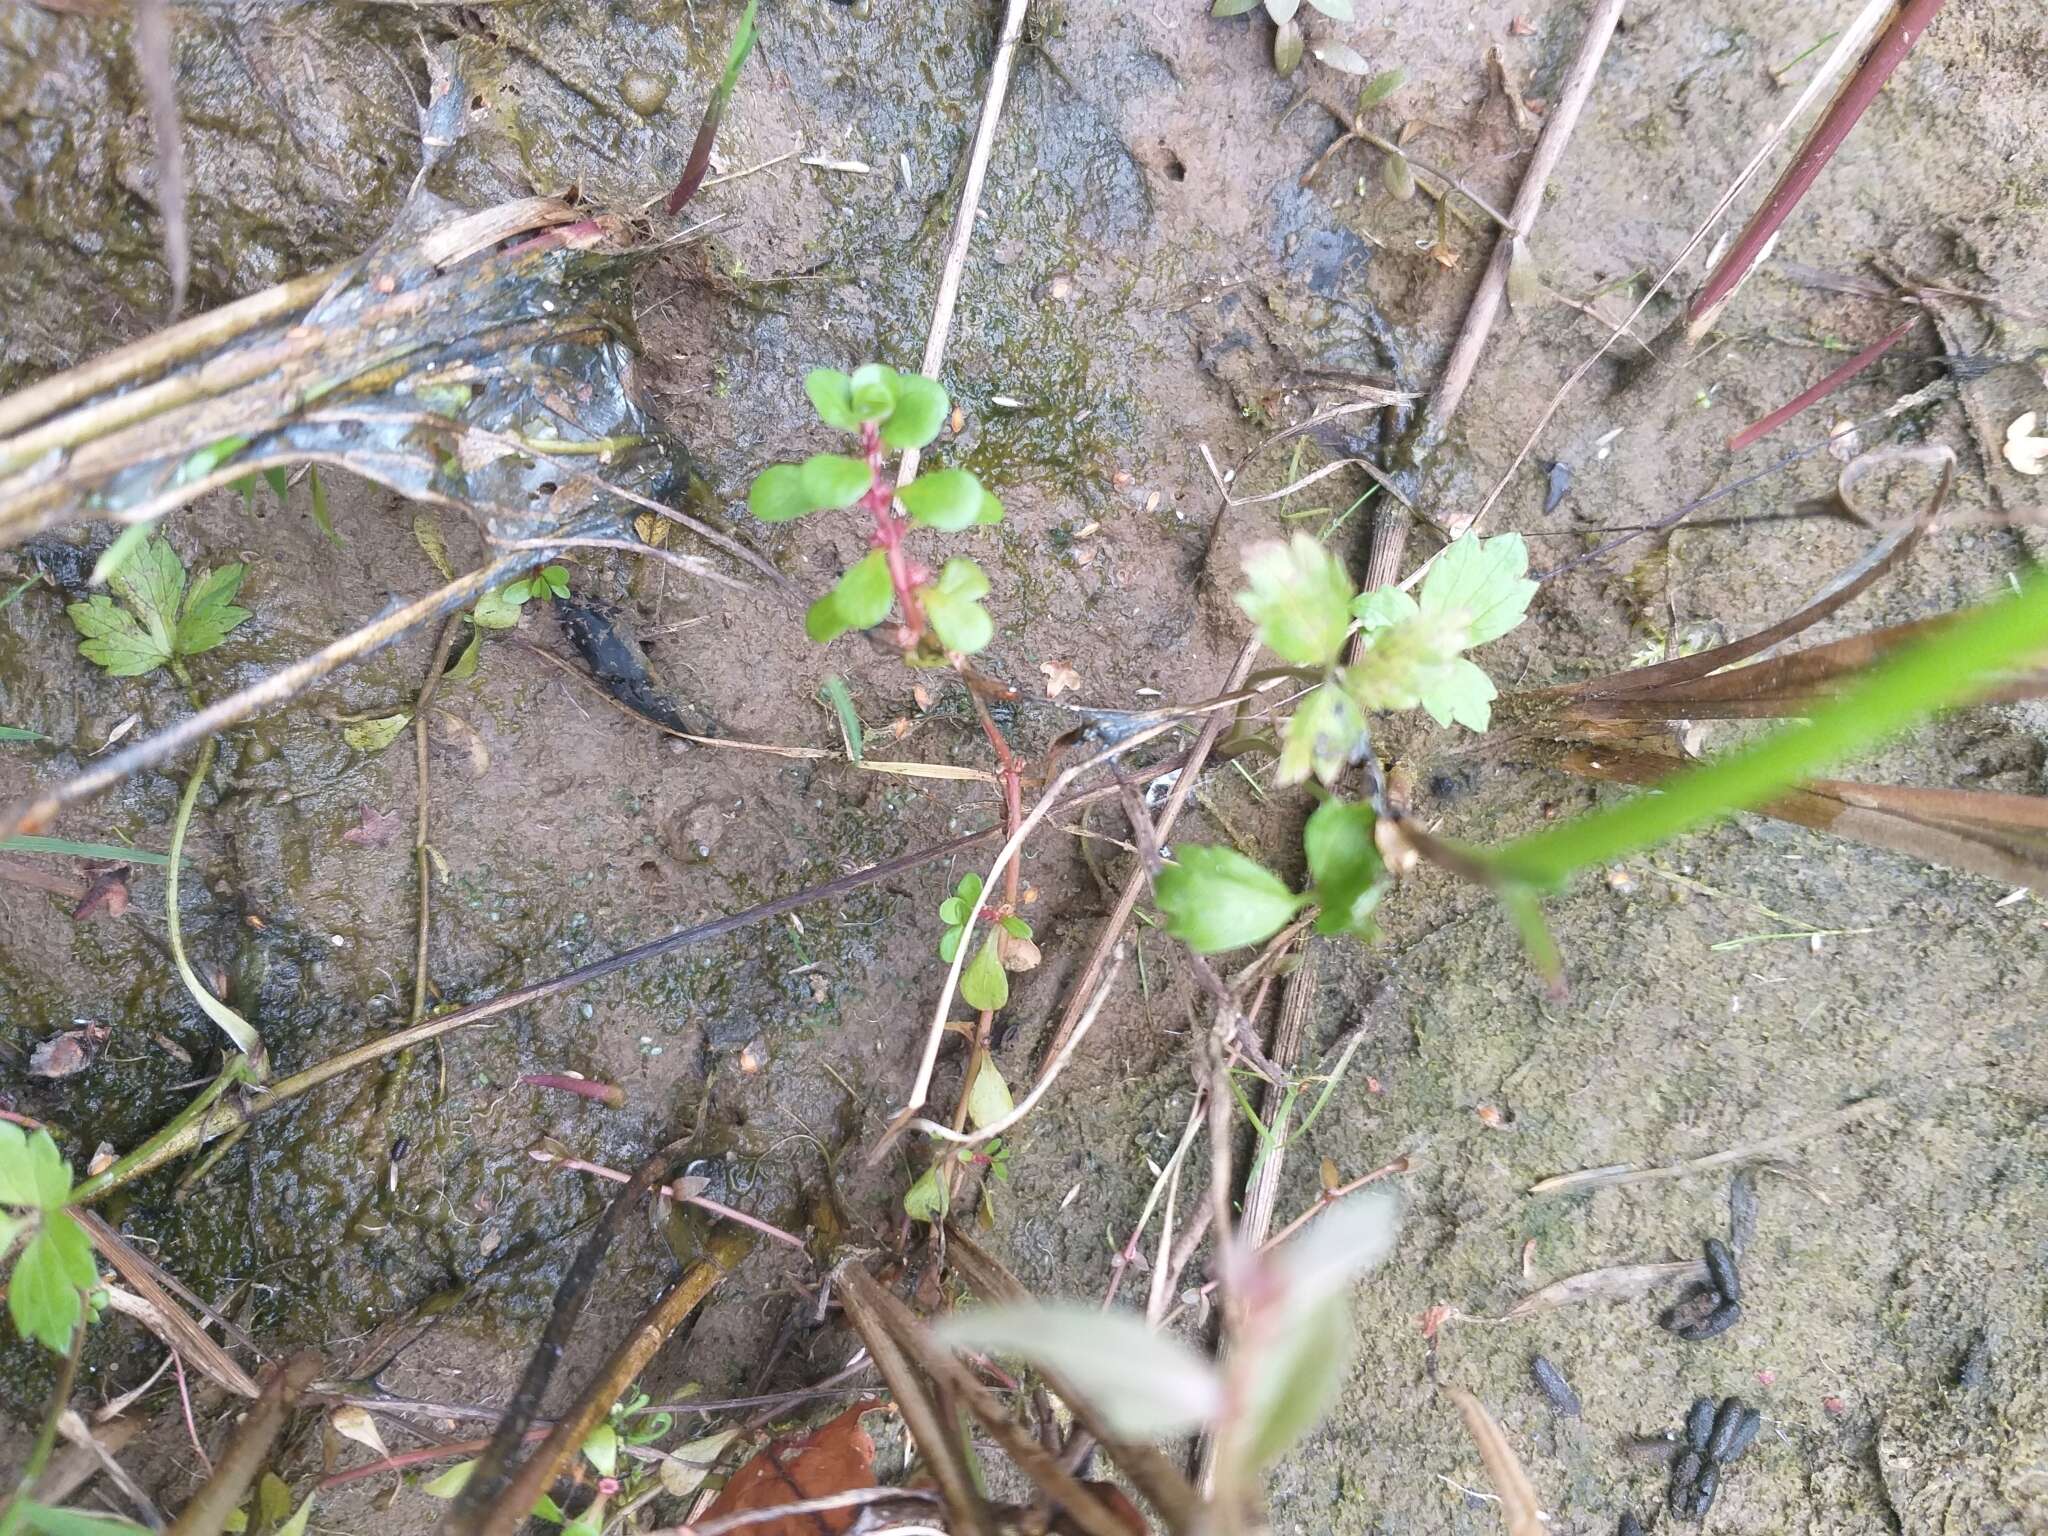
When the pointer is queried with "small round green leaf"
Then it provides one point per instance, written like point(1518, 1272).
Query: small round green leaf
point(946, 499)
point(1344, 862)
point(831, 394)
point(873, 389)
point(823, 621)
point(953, 605)
point(1396, 176)
point(1379, 88)
point(833, 479)
point(864, 592)
point(920, 412)
point(985, 984)
point(1215, 899)
point(991, 509)
point(778, 495)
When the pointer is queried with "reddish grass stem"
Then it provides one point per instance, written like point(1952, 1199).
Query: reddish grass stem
point(610, 1094)
point(1820, 391)
point(1892, 45)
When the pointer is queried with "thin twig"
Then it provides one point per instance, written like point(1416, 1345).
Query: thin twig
point(1390, 522)
point(207, 1511)
point(962, 237)
point(851, 1498)
point(1750, 247)
point(1614, 1176)
point(1819, 392)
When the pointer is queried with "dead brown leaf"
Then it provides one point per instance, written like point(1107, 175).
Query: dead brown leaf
point(837, 1456)
point(1503, 1467)
point(1059, 678)
point(374, 828)
point(1618, 1282)
point(66, 1054)
point(107, 894)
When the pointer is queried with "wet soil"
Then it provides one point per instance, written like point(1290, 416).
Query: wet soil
point(1148, 278)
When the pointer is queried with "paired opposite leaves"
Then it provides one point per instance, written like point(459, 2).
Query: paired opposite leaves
point(953, 605)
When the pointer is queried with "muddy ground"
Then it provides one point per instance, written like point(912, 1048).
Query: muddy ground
point(1149, 277)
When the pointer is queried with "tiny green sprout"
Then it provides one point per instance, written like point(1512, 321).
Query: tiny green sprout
point(939, 614)
point(548, 581)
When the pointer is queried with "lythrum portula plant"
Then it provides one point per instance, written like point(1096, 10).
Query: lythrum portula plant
point(938, 613)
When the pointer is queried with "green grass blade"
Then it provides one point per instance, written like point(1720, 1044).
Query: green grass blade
point(1940, 672)
point(834, 692)
point(232, 1024)
point(19, 733)
point(707, 131)
point(71, 850)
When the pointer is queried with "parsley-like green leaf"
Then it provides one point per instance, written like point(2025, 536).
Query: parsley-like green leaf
point(1299, 598)
point(1325, 735)
point(42, 1297)
point(1458, 693)
point(110, 637)
point(210, 612)
point(1485, 581)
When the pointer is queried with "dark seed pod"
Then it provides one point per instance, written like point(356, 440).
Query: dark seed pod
point(1699, 1423)
point(1726, 1424)
point(1703, 1493)
point(1745, 1435)
point(1720, 1320)
point(1721, 1270)
point(1683, 1476)
point(1630, 1525)
point(1551, 1380)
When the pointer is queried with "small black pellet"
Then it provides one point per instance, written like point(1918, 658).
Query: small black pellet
point(1727, 1423)
point(1691, 1312)
point(1630, 1525)
point(1721, 1270)
point(1683, 1476)
point(1699, 1423)
point(1703, 1493)
point(1745, 1435)
point(1720, 1320)
point(1555, 1387)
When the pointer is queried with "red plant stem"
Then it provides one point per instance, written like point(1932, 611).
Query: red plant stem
point(583, 1087)
point(1892, 45)
point(1820, 391)
point(26, 1122)
point(880, 500)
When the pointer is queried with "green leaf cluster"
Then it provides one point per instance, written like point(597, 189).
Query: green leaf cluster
point(985, 982)
point(904, 411)
point(156, 622)
point(548, 581)
point(1213, 899)
point(1412, 649)
point(55, 1268)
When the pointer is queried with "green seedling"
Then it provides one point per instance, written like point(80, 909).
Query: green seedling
point(157, 622)
point(939, 616)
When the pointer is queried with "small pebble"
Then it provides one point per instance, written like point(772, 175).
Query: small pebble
point(1551, 1380)
point(1630, 1525)
point(1721, 1270)
point(645, 91)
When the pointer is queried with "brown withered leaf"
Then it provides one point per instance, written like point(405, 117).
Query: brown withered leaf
point(68, 1053)
point(374, 828)
point(107, 894)
point(836, 1456)
point(1618, 1282)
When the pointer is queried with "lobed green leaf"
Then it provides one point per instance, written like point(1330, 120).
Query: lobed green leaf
point(1299, 599)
